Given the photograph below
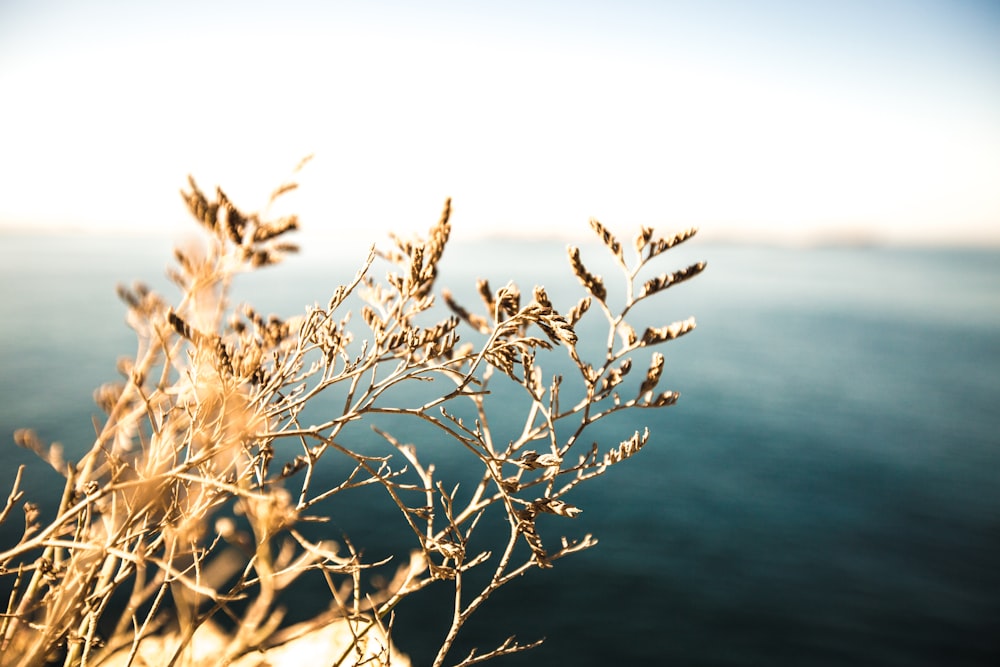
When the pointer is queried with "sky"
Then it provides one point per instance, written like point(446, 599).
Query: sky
point(872, 120)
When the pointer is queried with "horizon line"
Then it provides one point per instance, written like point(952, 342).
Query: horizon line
point(718, 236)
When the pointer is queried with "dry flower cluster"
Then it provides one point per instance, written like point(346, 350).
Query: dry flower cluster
point(192, 505)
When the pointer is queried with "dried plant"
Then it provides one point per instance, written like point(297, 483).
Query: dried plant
point(195, 503)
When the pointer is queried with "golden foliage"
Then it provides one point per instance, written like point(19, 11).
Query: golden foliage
point(195, 490)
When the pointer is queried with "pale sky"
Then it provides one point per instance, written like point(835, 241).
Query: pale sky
point(791, 118)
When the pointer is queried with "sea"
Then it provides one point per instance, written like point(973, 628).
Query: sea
point(825, 492)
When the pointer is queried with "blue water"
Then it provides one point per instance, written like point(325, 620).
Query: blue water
point(826, 492)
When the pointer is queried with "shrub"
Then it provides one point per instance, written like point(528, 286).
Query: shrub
point(198, 503)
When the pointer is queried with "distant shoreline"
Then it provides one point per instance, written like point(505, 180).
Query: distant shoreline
point(706, 236)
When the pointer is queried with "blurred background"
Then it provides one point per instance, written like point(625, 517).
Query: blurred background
point(824, 493)
point(754, 119)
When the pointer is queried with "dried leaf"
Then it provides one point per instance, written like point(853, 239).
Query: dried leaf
point(662, 245)
point(532, 460)
point(627, 448)
point(642, 238)
point(607, 238)
point(653, 374)
point(654, 285)
point(555, 506)
point(659, 335)
point(578, 311)
point(593, 284)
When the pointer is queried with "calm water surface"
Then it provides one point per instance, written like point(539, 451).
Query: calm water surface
point(825, 493)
